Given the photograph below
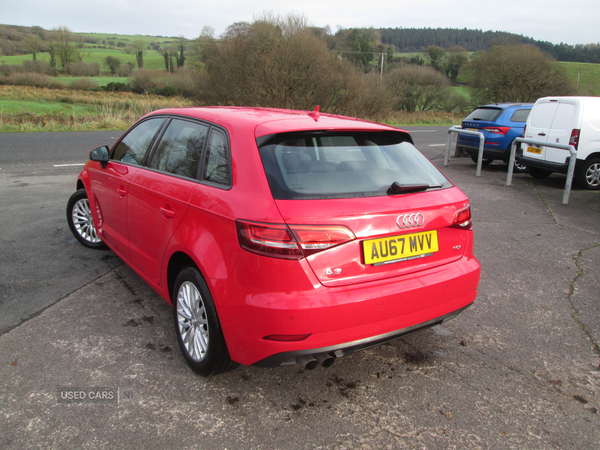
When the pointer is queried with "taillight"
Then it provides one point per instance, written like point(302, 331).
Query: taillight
point(462, 218)
point(313, 239)
point(524, 130)
point(497, 130)
point(290, 242)
point(574, 139)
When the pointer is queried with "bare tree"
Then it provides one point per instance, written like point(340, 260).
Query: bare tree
point(34, 43)
point(65, 51)
point(435, 55)
point(456, 59)
point(196, 53)
point(271, 62)
point(515, 73)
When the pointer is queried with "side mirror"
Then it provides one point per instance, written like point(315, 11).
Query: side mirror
point(100, 154)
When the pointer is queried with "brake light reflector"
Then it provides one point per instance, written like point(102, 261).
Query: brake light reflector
point(293, 242)
point(462, 218)
point(497, 130)
point(287, 337)
point(574, 139)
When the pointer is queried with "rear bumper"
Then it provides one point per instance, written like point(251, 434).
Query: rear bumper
point(338, 320)
point(488, 152)
point(542, 164)
point(289, 358)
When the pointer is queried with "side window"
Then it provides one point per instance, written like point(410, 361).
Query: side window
point(179, 150)
point(520, 115)
point(134, 146)
point(216, 163)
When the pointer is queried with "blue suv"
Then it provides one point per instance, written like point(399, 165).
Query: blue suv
point(500, 123)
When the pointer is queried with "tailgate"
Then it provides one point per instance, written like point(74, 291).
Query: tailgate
point(395, 235)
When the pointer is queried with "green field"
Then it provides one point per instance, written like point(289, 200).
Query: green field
point(585, 76)
point(153, 59)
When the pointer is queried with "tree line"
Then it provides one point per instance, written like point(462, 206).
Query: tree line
point(407, 40)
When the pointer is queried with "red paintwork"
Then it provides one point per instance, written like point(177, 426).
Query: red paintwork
point(146, 217)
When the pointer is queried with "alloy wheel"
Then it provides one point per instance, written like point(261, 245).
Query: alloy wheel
point(83, 222)
point(192, 321)
point(592, 175)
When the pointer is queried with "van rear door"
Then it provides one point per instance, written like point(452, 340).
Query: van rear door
point(552, 120)
point(565, 121)
point(539, 124)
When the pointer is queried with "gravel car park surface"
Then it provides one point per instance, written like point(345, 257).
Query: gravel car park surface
point(519, 369)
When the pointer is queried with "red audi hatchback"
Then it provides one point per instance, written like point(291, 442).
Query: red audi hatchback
point(280, 237)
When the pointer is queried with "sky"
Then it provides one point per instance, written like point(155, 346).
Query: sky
point(545, 20)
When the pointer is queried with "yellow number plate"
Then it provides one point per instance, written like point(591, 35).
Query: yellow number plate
point(400, 248)
point(473, 129)
point(536, 150)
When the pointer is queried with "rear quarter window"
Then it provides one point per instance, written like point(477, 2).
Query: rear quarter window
point(520, 115)
point(344, 165)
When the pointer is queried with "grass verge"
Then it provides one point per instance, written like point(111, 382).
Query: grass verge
point(25, 108)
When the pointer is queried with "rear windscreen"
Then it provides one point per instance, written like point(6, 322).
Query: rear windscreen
point(487, 114)
point(344, 165)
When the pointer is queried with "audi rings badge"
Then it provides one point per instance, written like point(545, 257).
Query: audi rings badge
point(410, 220)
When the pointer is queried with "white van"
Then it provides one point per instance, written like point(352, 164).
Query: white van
point(564, 120)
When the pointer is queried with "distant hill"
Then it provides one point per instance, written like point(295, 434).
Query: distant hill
point(13, 41)
point(408, 40)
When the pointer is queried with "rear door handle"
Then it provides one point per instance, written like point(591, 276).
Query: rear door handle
point(542, 134)
point(122, 192)
point(167, 213)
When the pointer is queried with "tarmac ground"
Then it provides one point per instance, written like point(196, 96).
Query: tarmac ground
point(101, 368)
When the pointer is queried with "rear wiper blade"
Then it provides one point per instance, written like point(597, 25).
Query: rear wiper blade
point(397, 188)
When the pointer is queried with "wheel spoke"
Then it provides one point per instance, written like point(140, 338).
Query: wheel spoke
point(593, 175)
point(83, 222)
point(192, 321)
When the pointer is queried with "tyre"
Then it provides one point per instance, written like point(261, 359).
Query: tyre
point(79, 217)
point(587, 175)
point(197, 326)
point(484, 161)
point(538, 173)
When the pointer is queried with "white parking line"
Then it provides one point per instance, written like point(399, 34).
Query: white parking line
point(437, 145)
point(68, 165)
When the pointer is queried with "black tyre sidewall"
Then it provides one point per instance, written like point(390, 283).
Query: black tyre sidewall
point(538, 173)
point(484, 161)
point(77, 196)
point(217, 357)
